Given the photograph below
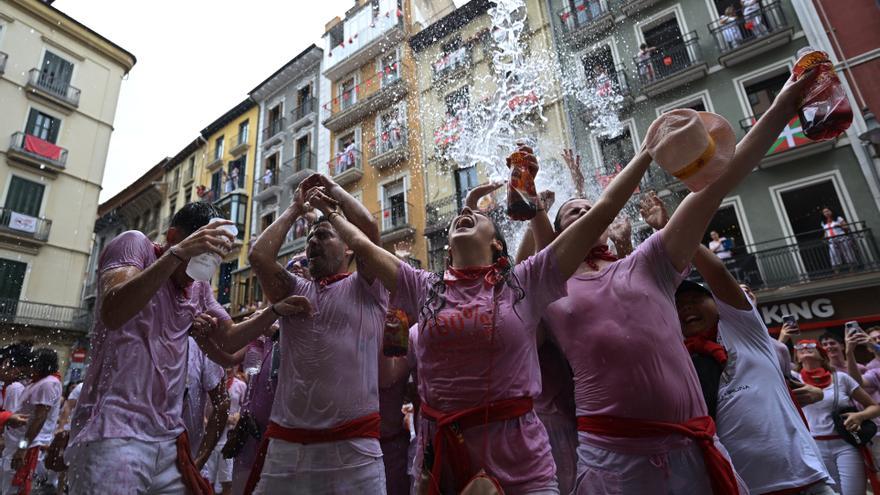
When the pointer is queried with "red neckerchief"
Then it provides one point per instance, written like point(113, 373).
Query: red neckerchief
point(229, 382)
point(160, 250)
point(599, 253)
point(819, 377)
point(491, 274)
point(705, 343)
point(324, 282)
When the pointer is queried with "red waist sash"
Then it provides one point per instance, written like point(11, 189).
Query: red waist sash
point(192, 478)
point(701, 429)
point(450, 426)
point(363, 427)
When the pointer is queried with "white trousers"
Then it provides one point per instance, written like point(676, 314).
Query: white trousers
point(124, 466)
point(846, 466)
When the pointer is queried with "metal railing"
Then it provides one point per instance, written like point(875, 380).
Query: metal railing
point(749, 24)
point(379, 81)
point(3, 58)
point(345, 161)
point(302, 161)
point(584, 13)
point(388, 141)
point(394, 217)
point(264, 182)
point(615, 83)
point(669, 59)
point(439, 213)
point(25, 225)
point(38, 148)
point(274, 128)
point(306, 107)
point(56, 86)
point(29, 313)
point(240, 139)
point(451, 62)
point(805, 257)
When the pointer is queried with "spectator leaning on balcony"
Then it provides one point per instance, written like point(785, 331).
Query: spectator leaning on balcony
point(720, 246)
point(646, 68)
point(268, 176)
point(730, 31)
point(840, 245)
point(754, 19)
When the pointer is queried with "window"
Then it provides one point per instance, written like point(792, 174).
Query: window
point(457, 101)
point(337, 35)
point(304, 101)
point(726, 223)
point(24, 196)
point(218, 148)
point(224, 284)
point(55, 73)
point(216, 184)
point(722, 5)
point(266, 220)
point(187, 194)
point(243, 131)
point(347, 155)
point(615, 152)
point(597, 62)
point(303, 154)
point(665, 31)
point(390, 68)
point(347, 93)
point(43, 126)
point(11, 281)
point(172, 209)
point(465, 180)
point(390, 131)
point(235, 174)
point(761, 93)
point(234, 207)
point(394, 205)
point(274, 120)
point(190, 169)
point(175, 180)
point(803, 207)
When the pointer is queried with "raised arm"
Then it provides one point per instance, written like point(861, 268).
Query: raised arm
point(720, 281)
point(573, 162)
point(126, 290)
point(688, 224)
point(573, 244)
point(231, 339)
point(383, 264)
point(216, 423)
point(274, 279)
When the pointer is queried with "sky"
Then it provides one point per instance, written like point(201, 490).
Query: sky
point(196, 59)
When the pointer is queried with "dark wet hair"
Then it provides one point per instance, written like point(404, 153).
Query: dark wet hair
point(44, 361)
point(194, 216)
point(437, 290)
point(17, 355)
point(557, 220)
point(643, 46)
point(831, 335)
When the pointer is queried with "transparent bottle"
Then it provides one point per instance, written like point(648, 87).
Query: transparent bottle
point(825, 112)
point(203, 266)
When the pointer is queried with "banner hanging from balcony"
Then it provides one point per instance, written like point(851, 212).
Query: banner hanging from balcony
point(791, 137)
point(22, 222)
point(40, 147)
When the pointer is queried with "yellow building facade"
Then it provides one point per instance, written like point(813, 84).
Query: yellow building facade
point(372, 113)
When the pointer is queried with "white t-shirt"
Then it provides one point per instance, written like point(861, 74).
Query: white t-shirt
point(718, 248)
point(12, 395)
point(44, 392)
point(757, 421)
point(74, 396)
point(819, 414)
point(202, 376)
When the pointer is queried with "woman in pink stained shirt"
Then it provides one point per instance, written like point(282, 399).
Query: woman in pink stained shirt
point(476, 349)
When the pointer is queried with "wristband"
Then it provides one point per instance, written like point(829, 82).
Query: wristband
point(174, 253)
point(330, 215)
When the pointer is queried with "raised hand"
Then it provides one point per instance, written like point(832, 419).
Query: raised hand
point(546, 199)
point(293, 305)
point(317, 198)
point(203, 325)
point(573, 162)
point(620, 230)
point(208, 239)
point(17, 420)
point(791, 96)
point(474, 195)
point(653, 210)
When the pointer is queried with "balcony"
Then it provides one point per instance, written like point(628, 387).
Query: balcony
point(234, 207)
point(346, 167)
point(632, 7)
point(241, 145)
point(23, 230)
point(304, 114)
point(175, 187)
point(379, 91)
point(452, 63)
point(216, 160)
point(791, 144)
point(389, 148)
point(352, 49)
point(37, 153)
point(272, 132)
point(55, 90)
point(300, 167)
point(3, 58)
point(34, 314)
point(671, 65)
point(266, 187)
point(805, 258)
point(588, 19)
point(614, 88)
point(439, 213)
point(755, 33)
point(394, 224)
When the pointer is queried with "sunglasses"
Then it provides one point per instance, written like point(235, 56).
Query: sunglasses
point(801, 347)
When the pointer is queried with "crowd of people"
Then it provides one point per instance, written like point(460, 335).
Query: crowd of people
point(571, 363)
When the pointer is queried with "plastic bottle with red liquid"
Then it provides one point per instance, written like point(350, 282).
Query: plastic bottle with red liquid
point(395, 338)
point(522, 198)
point(825, 112)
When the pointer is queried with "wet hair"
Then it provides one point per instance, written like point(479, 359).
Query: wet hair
point(643, 46)
point(17, 355)
point(437, 290)
point(830, 335)
point(194, 216)
point(557, 220)
point(44, 361)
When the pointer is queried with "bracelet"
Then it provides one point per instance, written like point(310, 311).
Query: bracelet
point(330, 215)
point(174, 253)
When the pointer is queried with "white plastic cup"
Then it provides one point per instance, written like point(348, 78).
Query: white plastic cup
point(203, 266)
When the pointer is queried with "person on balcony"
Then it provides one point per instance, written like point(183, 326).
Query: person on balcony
point(840, 244)
point(730, 28)
point(752, 12)
point(720, 246)
point(268, 177)
point(646, 66)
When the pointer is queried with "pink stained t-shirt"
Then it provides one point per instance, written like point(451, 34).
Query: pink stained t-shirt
point(619, 330)
point(137, 373)
point(329, 371)
point(462, 363)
